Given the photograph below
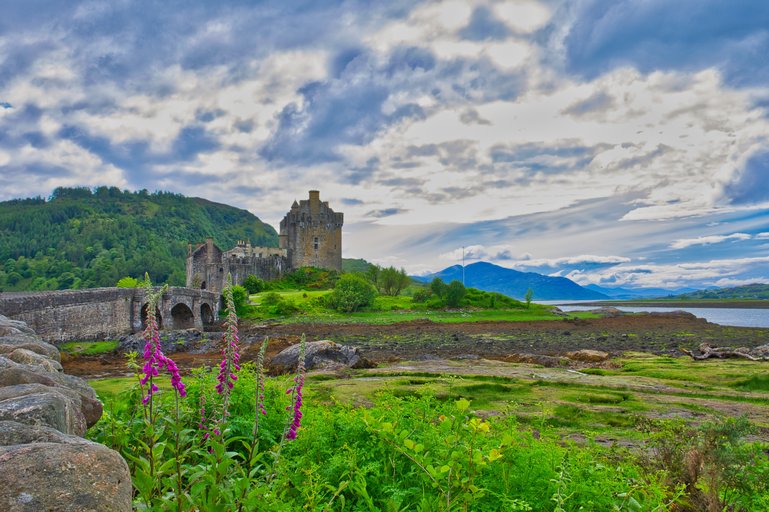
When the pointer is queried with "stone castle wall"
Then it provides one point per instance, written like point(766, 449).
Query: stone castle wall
point(268, 268)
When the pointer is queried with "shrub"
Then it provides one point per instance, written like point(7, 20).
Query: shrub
point(455, 293)
point(421, 296)
point(438, 287)
point(128, 282)
point(240, 298)
point(351, 293)
point(254, 285)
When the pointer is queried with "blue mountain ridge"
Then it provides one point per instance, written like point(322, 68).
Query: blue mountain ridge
point(513, 283)
point(637, 293)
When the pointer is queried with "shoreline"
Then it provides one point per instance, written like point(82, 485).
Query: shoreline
point(715, 303)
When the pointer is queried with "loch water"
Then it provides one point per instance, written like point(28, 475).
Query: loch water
point(737, 317)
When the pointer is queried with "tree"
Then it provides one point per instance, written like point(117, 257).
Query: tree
point(392, 281)
point(372, 274)
point(253, 284)
point(240, 298)
point(351, 293)
point(438, 287)
point(528, 297)
point(455, 293)
point(128, 282)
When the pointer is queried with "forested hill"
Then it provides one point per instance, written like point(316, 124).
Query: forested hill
point(748, 291)
point(82, 238)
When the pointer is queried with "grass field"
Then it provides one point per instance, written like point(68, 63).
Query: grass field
point(88, 348)
point(389, 310)
point(607, 402)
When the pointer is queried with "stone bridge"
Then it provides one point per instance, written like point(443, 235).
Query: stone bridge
point(101, 313)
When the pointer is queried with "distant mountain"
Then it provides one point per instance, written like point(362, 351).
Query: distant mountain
point(493, 278)
point(83, 238)
point(637, 293)
point(749, 291)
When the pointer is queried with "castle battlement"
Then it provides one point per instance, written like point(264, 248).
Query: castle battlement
point(310, 235)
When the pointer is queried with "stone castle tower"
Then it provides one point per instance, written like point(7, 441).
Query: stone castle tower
point(311, 234)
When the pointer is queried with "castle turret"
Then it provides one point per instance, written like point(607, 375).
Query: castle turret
point(312, 234)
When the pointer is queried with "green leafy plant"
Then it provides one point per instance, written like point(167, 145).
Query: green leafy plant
point(351, 293)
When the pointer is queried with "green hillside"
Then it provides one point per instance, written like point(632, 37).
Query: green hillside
point(82, 238)
point(749, 291)
point(355, 265)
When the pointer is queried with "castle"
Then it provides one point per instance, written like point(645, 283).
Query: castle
point(310, 235)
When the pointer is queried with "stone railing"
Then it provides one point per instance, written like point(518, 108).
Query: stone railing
point(45, 464)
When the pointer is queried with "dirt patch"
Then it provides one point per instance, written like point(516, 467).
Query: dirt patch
point(507, 341)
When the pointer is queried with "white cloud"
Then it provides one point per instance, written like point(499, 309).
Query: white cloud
point(583, 259)
point(708, 240)
point(523, 15)
point(701, 274)
point(728, 283)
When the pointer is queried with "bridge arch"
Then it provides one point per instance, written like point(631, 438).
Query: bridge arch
point(206, 314)
point(182, 316)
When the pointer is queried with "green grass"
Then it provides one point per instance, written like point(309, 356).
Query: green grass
point(88, 348)
point(390, 310)
point(755, 383)
point(297, 296)
point(106, 388)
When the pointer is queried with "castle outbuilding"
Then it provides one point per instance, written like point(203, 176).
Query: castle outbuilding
point(310, 235)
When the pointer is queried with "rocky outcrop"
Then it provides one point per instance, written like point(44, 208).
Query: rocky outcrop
point(319, 355)
point(44, 464)
point(588, 356)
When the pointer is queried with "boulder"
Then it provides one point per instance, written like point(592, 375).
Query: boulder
point(20, 326)
point(24, 356)
point(90, 408)
point(9, 330)
point(42, 465)
point(76, 388)
point(12, 432)
point(10, 343)
point(588, 356)
point(50, 408)
point(63, 477)
point(543, 360)
point(324, 354)
point(607, 312)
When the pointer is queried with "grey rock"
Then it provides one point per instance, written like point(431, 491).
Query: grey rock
point(90, 408)
point(89, 404)
point(588, 356)
point(24, 356)
point(21, 374)
point(324, 354)
point(63, 478)
point(20, 326)
point(10, 343)
point(9, 330)
point(170, 341)
point(50, 408)
point(15, 373)
point(12, 432)
point(543, 360)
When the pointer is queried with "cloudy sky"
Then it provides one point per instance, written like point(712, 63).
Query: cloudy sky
point(616, 142)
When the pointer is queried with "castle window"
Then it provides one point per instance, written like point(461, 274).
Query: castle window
point(315, 242)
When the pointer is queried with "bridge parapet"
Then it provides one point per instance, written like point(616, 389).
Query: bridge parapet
point(100, 313)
